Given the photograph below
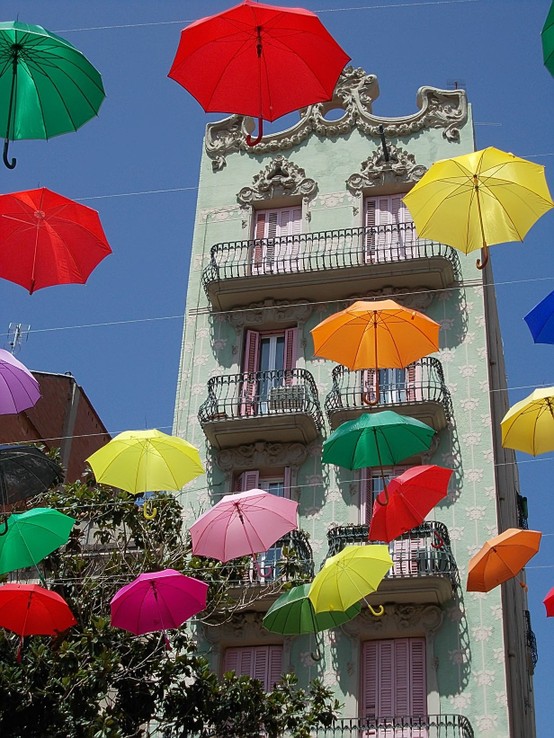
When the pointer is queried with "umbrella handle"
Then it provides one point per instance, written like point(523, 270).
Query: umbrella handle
point(5, 521)
point(253, 141)
point(386, 502)
point(366, 397)
point(438, 541)
point(148, 511)
point(377, 613)
point(483, 261)
point(264, 573)
point(9, 164)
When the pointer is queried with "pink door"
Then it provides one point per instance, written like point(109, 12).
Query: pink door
point(391, 237)
point(275, 247)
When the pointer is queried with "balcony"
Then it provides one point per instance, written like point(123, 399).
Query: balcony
point(424, 568)
point(418, 391)
point(339, 264)
point(275, 406)
point(531, 642)
point(429, 726)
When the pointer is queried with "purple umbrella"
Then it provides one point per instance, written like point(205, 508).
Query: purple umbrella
point(156, 601)
point(19, 390)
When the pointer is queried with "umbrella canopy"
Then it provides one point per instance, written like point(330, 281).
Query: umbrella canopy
point(19, 390)
point(243, 524)
point(47, 86)
point(293, 614)
point(549, 603)
point(349, 577)
point(547, 36)
point(26, 471)
point(479, 199)
point(48, 239)
point(31, 536)
point(411, 496)
point(540, 320)
point(501, 558)
point(243, 60)
point(376, 440)
point(158, 600)
point(28, 609)
point(376, 335)
point(146, 460)
point(529, 424)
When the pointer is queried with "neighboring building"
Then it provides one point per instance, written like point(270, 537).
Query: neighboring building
point(63, 418)
point(286, 234)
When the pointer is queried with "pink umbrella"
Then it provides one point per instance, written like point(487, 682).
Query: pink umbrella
point(158, 600)
point(242, 524)
point(19, 390)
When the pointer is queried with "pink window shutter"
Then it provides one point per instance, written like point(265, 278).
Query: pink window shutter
point(366, 496)
point(248, 480)
point(261, 664)
point(414, 389)
point(250, 366)
point(259, 231)
point(418, 677)
point(291, 227)
point(368, 698)
point(368, 381)
point(290, 354)
point(275, 670)
point(231, 660)
point(287, 480)
point(386, 696)
point(369, 223)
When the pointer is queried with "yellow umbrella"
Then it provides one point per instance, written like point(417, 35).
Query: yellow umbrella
point(529, 425)
point(146, 461)
point(479, 199)
point(349, 577)
point(376, 335)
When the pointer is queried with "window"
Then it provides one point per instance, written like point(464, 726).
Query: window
point(276, 246)
point(394, 685)
point(390, 234)
point(267, 568)
point(271, 356)
point(371, 483)
point(259, 662)
point(395, 385)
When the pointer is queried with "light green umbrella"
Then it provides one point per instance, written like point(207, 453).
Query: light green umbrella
point(47, 86)
point(31, 536)
point(293, 614)
point(547, 36)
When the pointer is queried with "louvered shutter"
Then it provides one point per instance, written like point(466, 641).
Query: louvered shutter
point(368, 383)
point(386, 696)
point(248, 480)
point(291, 226)
point(414, 388)
point(418, 681)
point(231, 661)
point(368, 702)
point(370, 229)
point(258, 249)
point(251, 360)
point(287, 477)
point(290, 354)
point(404, 553)
point(275, 667)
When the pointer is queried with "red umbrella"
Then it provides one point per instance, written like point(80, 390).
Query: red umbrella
point(258, 60)
point(48, 239)
point(549, 603)
point(28, 609)
point(410, 497)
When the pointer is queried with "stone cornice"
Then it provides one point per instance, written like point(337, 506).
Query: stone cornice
point(398, 620)
point(354, 93)
point(271, 311)
point(261, 454)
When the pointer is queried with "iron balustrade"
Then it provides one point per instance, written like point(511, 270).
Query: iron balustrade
point(267, 393)
point(522, 512)
point(323, 250)
point(290, 559)
point(421, 381)
point(531, 642)
point(428, 726)
point(423, 551)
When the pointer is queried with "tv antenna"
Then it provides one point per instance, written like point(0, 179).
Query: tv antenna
point(17, 334)
point(456, 84)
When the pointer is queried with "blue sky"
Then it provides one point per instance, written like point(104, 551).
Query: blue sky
point(138, 162)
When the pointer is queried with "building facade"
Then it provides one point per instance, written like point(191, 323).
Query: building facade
point(286, 234)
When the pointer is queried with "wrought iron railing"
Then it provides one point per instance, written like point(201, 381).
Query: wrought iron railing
point(421, 552)
point(429, 726)
point(422, 381)
point(255, 394)
point(290, 559)
point(531, 642)
point(324, 250)
point(522, 512)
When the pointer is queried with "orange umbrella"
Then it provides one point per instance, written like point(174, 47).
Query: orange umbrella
point(502, 558)
point(376, 335)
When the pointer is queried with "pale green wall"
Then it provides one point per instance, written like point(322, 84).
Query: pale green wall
point(469, 644)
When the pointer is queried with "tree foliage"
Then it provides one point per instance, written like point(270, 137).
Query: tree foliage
point(95, 681)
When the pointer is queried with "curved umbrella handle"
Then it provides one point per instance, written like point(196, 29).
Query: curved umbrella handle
point(317, 655)
point(148, 511)
point(9, 164)
point(438, 540)
point(483, 261)
point(5, 521)
point(377, 613)
point(253, 141)
point(386, 502)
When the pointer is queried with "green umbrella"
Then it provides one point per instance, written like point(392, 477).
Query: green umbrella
point(31, 536)
point(47, 86)
point(293, 614)
point(377, 440)
point(548, 40)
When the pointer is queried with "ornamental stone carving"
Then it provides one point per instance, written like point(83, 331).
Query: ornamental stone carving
point(417, 298)
point(376, 171)
point(398, 620)
point(271, 311)
point(354, 93)
point(280, 178)
point(261, 454)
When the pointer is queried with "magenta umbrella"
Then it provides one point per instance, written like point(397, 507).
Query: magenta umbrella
point(158, 600)
point(19, 390)
point(243, 524)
